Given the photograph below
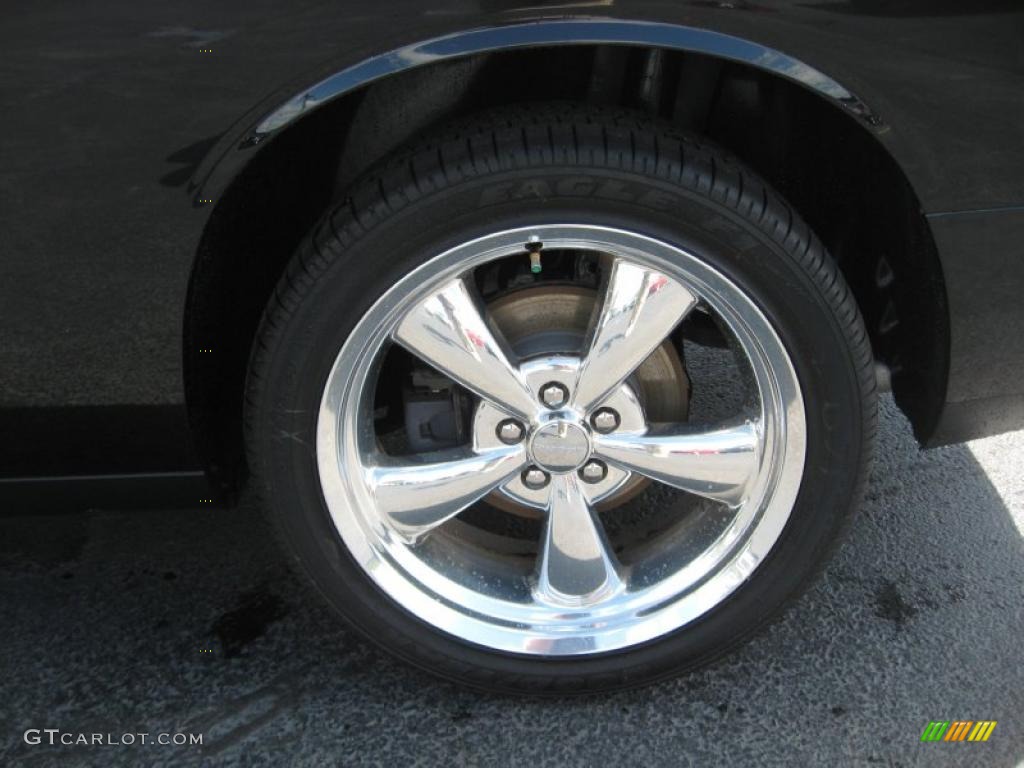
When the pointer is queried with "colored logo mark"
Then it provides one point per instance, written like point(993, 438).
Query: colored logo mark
point(958, 730)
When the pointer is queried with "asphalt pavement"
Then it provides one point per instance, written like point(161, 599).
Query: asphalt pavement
point(189, 622)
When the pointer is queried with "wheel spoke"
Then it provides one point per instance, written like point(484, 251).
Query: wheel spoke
point(718, 464)
point(640, 308)
point(576, 565)
point(416, 498)
point(448, 331)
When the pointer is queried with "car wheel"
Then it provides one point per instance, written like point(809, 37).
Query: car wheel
point(560, 400)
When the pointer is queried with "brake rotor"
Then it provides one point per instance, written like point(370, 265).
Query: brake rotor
point(553, 319)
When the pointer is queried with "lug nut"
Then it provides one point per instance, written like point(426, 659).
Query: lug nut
point(593, 471)
point(554, 395)
point(510, 431)
point(535, 479)
point(605, 420)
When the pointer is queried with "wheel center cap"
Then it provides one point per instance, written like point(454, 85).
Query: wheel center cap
point(560, 446)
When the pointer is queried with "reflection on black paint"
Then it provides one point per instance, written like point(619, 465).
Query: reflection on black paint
point(908, 9)
point(98, 439)
point(191, 156)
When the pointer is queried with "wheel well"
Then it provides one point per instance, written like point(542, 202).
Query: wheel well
point(830, 167)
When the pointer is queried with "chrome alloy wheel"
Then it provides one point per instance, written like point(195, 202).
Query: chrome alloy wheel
point(560, 433)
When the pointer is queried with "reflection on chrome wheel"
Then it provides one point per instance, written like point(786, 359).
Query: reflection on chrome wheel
point(560, 430)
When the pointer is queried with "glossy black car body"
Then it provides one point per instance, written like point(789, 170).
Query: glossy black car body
point(158, 164)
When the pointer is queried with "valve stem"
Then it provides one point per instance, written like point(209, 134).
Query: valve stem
point(534, 247)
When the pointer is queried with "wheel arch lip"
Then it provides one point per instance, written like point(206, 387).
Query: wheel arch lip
point(234, 150)
point(559, 32)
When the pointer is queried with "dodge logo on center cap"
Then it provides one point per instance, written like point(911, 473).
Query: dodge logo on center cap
point(560, 446)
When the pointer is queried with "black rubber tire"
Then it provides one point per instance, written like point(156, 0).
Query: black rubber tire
point(553, 163)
